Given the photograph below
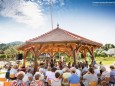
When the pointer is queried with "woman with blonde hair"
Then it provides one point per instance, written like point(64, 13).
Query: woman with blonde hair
point(19, 81)
point(37, 81)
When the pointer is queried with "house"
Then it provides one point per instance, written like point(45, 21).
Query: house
point(111, 52)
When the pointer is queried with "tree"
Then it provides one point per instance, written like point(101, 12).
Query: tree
point(103, 54)
point(2, 56)
point(11, 52)
point(108, 46)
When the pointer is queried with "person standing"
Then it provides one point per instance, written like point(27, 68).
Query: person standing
point(112, 75)
point(7, 76)
point(90, 76)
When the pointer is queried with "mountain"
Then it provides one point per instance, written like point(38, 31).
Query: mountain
point(15, 43)
point(4, 46)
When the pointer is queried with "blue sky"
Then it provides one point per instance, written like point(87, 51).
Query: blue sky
point(21, 20)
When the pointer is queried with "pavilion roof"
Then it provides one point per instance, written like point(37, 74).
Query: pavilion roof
point(60, 35)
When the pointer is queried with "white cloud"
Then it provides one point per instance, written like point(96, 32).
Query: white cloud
point(53, 1)
point(26, 12)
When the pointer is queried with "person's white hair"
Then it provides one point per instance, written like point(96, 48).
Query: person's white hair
point(103, 68)
point(41, 70)
point(96, 66)
point(73, 69)
point(65, 69)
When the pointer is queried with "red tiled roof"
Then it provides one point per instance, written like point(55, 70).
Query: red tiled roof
point(60, 35)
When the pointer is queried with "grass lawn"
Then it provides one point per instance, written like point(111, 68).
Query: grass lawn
point(106, 60)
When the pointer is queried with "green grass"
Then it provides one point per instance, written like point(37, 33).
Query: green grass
point(106, 60)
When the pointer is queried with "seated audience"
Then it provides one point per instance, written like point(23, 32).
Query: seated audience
point(96, 70)
point(65, 77)
point(13, 72)
point(74, 78)
point(84, 70)
point(19, 81)
point(37, 81)
point(52, 74)
point(78, 72)
point(90, 76)
point(28, 77)
point(41, 73)
point(56, 81)
point(104, 73)
point(112, 75)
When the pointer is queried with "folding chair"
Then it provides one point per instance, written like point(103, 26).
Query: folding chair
point(78, 84)
point(92, 83)
point(6, 83)
point(49, 82)
point(3, 79)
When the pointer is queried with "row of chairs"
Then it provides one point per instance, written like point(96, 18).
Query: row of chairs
point(106, 82)
point(78, 84)
point(90, 84)
point(2, 79)
point(8, 83)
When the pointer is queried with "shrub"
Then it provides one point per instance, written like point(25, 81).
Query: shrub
point(2, 56)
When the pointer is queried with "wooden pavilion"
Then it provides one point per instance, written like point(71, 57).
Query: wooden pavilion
point(59, 40)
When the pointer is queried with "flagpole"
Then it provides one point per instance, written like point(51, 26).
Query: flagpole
point(51, 14)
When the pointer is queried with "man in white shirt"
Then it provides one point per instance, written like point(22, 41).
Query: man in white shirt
point(85, 70)
point(96, 70)
point(52, 74)
point(48, 74)
point(78, 72)
point(28, 76)
point(13, 72)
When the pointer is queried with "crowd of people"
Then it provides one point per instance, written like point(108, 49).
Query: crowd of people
point(53, 73)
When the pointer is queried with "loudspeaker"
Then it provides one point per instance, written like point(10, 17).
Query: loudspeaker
point(20, 57)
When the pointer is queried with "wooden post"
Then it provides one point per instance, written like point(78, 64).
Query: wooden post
point(24, 61)
point(69, 58)
point(84, 55)
point(75, 51)
point(74, 56)
point(35, 64)
point(91, 52)
point(37, 54)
